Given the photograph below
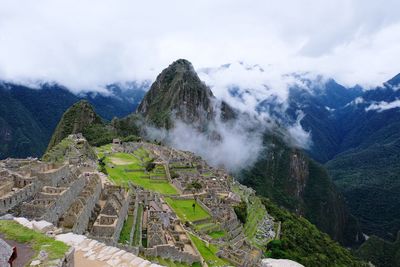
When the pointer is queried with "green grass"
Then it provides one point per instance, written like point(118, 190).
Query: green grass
point(256, 213)
point(138, 234)
point(103, 149)
point(142, 154)
point(183, 208)
point(208, 252)
point(126, 231)
point(136, 174)
point(206, 227)
point(14, 231)
point(217, 234)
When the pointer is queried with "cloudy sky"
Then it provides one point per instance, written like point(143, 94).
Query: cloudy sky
point(86, 43)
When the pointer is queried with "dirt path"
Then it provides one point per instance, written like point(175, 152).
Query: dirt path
point(24, 252)
point(118, 161)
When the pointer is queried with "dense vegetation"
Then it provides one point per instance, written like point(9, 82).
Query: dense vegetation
point(358, 146)
point(290, 179)
point(301, 241)
point(28, 116)
point(380, 252)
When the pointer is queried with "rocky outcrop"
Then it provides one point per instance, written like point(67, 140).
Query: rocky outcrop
point(279, 263)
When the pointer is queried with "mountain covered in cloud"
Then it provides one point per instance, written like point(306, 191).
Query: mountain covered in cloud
point(29, 114)
point(353, 131)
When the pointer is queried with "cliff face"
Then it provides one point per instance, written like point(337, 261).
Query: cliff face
point(178, 93)
point(76, 119)
point(288, 177)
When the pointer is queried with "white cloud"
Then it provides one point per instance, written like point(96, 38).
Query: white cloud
point(383, 105)
point(83, 44)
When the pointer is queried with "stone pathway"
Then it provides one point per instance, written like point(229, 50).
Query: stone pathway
point(89, 252)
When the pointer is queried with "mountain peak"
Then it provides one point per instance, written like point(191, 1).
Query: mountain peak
point(181, 65)
point(178, 93)
point(395, 80)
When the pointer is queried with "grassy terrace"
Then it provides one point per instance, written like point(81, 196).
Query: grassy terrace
point(208, 252)
point(183, 208)
point(126, 230)
point(14, 231)
point(256, 213)
point(217, 234)
point(123, 168)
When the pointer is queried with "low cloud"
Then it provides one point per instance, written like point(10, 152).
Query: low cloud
point(237, 148)
point(383, 105)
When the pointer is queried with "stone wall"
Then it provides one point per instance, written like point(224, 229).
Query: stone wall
point(172, 253)
point(18, 197)
point(81, 224)
point(57, 207)
point(69, 259)
point(123, 213)
point(109, 234)
point(51, 175)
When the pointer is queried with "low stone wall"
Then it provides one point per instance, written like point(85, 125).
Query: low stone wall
point(172, 253)
point(81, 224)
point(69, 259)
point(133, 250)
point(204, 206)
point(23, 194)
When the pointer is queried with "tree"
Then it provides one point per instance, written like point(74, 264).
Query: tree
point(150, 165)
point(194, 186)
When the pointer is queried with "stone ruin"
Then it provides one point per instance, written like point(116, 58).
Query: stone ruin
point(74, 196)
point(110, 220)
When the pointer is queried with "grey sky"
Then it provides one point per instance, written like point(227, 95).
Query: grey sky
point(83, 44)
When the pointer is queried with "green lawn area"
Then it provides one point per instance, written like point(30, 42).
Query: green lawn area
point(129, 168)
point(217, 234)
point(126, 231)
point(14, 231)
point(208, 253)
point(183, 208)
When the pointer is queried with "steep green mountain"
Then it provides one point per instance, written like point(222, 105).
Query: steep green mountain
point(301, 241)
point(380, 252)
point(289, 178)
point(356, 135)
point(79, 118)
point(31, 114)
point(178, 93)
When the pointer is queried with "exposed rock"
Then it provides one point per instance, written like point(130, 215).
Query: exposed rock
point(42, 226)
point(36, 263)
point(279, 263)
